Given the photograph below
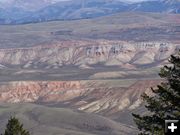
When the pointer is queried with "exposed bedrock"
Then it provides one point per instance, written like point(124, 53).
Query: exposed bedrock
point(83, 95)
point(85, 53)
point(33, 91)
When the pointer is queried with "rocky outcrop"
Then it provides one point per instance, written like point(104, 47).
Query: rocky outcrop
point(111, 100)
point(86, 53)
point(82, 95)
point(44, 91)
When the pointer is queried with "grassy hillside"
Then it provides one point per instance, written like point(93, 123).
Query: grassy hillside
point(41, 120)
point(123, 26)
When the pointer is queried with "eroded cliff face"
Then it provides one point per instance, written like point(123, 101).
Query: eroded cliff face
point(111, 100)
point(82, 95)
point(15, 92)
point(86, 53)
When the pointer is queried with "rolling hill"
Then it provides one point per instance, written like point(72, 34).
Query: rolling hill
point(41, 120)
point(26, 12)
point(79, 68)
point(128, 26)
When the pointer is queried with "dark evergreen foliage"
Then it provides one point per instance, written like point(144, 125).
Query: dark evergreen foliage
point(165, 102)
point(14, 127)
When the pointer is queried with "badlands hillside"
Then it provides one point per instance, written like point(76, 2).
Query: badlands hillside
point(83, 77)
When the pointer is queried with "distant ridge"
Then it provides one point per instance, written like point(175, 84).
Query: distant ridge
point(47, 10)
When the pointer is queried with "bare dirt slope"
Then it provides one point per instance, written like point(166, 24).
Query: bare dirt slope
point(55, 76)
point(110, 98)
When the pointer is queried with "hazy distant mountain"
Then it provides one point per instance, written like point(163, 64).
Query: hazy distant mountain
point(30, 5)
point(169, 6)
point(23, 11)
point(174, 5)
